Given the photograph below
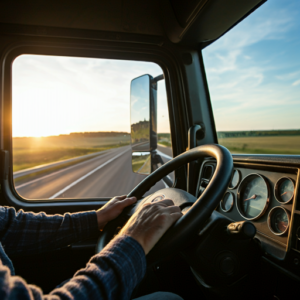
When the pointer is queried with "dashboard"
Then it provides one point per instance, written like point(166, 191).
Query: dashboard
point(264, 191)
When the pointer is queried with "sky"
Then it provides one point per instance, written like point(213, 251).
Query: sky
point(139, 100)
point(253, 74)
point(253, 71)
point(59, 95)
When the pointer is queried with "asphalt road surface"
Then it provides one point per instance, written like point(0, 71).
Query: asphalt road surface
point(107, 175)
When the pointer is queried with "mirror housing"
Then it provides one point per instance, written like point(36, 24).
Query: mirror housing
point(143, 114)
point(143, 122)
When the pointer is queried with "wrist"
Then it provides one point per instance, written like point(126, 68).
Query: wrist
point(101, 220)
point(138, 238)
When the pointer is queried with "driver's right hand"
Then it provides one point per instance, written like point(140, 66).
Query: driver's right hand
point(148, 224)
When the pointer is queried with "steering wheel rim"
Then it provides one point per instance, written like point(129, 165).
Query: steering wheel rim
point(190, 223)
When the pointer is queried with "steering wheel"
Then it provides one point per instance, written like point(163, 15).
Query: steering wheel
point(200, 209)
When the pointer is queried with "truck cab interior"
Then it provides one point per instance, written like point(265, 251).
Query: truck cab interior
point(239, 237)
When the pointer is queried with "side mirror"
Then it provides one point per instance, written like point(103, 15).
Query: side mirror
point(141, 162)
point(143, 120)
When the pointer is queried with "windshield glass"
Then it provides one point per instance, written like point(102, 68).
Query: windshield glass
point(253, 74)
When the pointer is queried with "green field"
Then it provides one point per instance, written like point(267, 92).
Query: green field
point(164, 139)
point(253, 142)
point(141, 164)
point(30, 152)
point(262, 144)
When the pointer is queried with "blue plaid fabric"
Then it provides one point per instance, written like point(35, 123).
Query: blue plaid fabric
point(111, 274)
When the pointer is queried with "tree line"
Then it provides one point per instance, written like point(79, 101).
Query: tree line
point(257, 133)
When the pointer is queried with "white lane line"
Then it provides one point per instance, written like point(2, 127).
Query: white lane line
point(60, 171)
point(86, 175)
point(163, 155)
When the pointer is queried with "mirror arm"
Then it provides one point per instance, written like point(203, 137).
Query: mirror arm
point(155, 161)
point(158, 78)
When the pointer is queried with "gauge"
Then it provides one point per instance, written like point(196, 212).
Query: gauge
point(235, 180)
point(284, 190)
point(227, 202)
point(278, 220)
point(253, 197)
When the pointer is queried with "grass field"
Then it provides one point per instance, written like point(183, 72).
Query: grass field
point(263, 145)
point(164, 139)
point(31, 152)
point(141, 164)
point(280, 144)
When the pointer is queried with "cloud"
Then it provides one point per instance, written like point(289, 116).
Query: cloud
point(250, 70)
point(296, 83)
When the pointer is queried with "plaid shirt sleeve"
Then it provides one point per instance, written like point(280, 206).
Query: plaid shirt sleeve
point(28, 232)
point(111, 274)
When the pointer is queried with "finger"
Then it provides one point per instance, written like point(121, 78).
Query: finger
point(175, 216)
point(172, 209)
point(126, 202)
point(120, 197)
point(165, 202)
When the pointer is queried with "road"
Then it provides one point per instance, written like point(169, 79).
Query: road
point(107, 175)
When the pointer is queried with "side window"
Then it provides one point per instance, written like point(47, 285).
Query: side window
point(253, 73)
point(71, 126)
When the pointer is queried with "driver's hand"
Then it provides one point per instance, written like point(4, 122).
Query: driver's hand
point(112, 209)
point(149, 223)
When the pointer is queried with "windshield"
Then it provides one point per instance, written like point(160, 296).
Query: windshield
point(253, 74)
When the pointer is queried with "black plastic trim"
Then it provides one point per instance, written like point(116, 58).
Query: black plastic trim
point(163, 56)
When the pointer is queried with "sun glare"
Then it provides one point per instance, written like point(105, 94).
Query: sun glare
point(59, 95)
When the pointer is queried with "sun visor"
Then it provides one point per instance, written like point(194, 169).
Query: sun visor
point(200, 21)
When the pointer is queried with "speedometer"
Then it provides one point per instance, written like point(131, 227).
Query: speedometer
point(253, 197)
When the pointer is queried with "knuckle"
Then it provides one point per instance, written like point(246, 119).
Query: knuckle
point(169, 201)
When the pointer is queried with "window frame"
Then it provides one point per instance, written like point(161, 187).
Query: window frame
point(92, 49)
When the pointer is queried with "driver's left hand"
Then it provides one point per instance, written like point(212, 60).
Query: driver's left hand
point(112, 209)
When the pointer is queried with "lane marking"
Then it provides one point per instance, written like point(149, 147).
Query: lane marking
point(86, 175)
point(164, 155)
point(60, 171)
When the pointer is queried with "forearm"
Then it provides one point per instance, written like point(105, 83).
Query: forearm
point(111, 274)
point(27, 232)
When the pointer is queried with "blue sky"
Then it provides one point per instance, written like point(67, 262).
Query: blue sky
point(139, 99)
point(253, 71)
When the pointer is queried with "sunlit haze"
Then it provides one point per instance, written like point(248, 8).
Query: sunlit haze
point(253, 71)
point(59, 95)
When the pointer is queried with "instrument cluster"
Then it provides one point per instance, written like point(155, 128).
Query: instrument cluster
point(253, 199)
point(263, 197)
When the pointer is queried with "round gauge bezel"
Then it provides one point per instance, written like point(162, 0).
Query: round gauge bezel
point(240, 176)
point(276, 189)
point(221, 202)
point(269, 219)
point(238, 198)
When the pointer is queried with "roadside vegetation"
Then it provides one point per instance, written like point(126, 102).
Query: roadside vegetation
point(30, 152)
point(141, 164)
point(261, 142)
point(164, 139)
point(253, 142)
